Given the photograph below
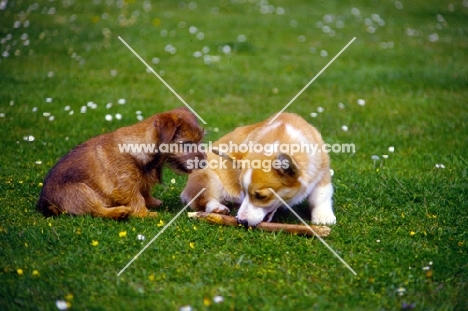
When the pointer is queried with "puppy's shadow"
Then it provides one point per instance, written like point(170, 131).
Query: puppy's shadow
point(284, 215)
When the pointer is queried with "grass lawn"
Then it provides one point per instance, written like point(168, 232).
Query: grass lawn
point(400, 199)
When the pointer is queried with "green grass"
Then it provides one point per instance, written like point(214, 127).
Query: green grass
point(396, 216)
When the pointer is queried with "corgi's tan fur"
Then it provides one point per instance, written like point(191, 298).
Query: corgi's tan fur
point(306, 175)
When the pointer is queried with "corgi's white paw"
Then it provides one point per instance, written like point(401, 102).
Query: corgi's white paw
point(216, 207)
point(323, 218)
point(322, 206)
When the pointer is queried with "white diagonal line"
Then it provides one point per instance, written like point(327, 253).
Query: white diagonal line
point(162, 80)
point(159, 233)
point(313, 79)
point(316, 235)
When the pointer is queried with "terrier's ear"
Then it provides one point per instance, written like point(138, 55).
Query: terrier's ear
point(288, 168)
point(166, 125)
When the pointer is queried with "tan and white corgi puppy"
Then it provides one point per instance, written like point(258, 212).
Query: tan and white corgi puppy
point(243, 167)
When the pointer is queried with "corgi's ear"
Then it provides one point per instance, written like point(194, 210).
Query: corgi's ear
point(288, 167)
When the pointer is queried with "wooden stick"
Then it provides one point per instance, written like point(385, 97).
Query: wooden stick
point(226, 220)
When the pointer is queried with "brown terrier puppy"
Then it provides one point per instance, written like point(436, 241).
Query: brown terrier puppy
point(111, 175)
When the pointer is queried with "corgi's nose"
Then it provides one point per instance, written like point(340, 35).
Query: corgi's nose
point(243, 222)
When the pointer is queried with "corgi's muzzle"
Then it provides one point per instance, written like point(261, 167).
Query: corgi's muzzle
point(250, 215)
point(246, 224)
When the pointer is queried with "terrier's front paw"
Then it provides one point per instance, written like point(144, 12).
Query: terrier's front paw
point(144, 213)
point(151, 202)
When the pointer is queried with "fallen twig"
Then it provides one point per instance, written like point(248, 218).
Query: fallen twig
point(226, 220)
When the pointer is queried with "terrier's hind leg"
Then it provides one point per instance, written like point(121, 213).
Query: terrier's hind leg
point(80, 199)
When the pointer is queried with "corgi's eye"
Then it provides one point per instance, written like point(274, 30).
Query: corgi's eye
point(259, 196)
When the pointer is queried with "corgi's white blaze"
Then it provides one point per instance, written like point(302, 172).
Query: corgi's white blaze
point(295, 133)
point(268, 128)
point(247, 180)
